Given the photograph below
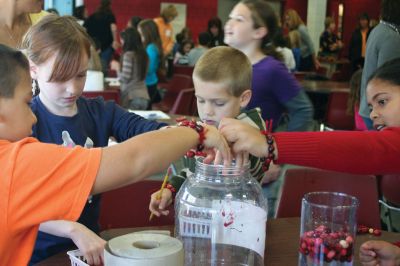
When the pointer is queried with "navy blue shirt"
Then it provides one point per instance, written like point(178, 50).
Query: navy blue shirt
point(98, 120)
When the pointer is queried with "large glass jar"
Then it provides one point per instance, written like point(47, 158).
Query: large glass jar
point(221, 216)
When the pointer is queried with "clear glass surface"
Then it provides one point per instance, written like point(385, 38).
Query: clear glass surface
point(328, 229)
point(221, 216)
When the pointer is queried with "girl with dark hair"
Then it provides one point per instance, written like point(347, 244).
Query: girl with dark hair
point(134, 63)
point(250, 28)
point(322, 149)
point(152, 41)
point(383, 45)
point(214, 28)
point(181, 56)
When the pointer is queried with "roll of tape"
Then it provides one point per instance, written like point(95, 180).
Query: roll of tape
point(144, 249)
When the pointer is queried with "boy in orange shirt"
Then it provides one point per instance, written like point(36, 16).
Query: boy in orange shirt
point(41, 182)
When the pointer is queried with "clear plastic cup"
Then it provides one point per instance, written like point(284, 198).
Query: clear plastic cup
point(328, 229)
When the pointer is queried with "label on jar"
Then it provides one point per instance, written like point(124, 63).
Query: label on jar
point(240, 224)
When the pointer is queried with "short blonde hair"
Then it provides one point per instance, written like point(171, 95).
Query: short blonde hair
point(169, 12)
point(328, 22)
point(226, 65)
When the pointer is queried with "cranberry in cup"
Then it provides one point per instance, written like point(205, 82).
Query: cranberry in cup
point(328, 228)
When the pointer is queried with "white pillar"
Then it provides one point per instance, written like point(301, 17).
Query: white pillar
point(316, 14)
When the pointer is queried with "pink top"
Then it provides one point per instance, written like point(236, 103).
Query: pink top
point(358, 120)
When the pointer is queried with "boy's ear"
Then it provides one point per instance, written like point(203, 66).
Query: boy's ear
point(260, 33)
point(33, 69)
point(245, 98)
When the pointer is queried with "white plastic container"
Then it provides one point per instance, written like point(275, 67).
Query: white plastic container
point(76, 257)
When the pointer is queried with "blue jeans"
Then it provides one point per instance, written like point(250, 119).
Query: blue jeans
point(105, 57)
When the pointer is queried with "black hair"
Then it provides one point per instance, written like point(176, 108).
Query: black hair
point(133, 43)
point(104, 8)
point(13, 62)
point(279, 40)
point(135, 20)
point(390, 11)
point(363, 15)
point(204, 38)
point(182, 45)
point(79, 12)
point(215, 22)
point(388, 72)
point(179, 38)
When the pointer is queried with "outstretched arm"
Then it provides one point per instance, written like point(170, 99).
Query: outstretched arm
point(151, 153)
point(322, 149)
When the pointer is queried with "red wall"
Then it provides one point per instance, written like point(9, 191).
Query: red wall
point(198, 11)
point(299, 5)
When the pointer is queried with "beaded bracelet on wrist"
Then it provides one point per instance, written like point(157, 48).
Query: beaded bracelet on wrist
point(270, 141)
point(171, 188)
point(182, 121)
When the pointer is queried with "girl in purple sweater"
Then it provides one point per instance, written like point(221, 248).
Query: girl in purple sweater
point(250, 28)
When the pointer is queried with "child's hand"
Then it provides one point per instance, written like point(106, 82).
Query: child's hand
point(214, 139)
point(244, 138)
point(90, 244)
point(157, 206)
point(272, 174)
point(380, 253)
point(114, 65)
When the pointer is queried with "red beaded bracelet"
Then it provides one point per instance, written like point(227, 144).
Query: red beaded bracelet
point(171, 188)
point(270, 141)
point(182, 121)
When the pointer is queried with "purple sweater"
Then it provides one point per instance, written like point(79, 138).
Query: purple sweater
point(272, 86)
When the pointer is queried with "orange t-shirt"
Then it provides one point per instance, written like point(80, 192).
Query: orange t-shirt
point(166, 34)
point(40, 182)
point(363, 42)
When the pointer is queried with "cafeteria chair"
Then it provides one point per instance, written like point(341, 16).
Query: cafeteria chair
point(129, 207)
point(336, 116)
point(182, 69)
point(389, 188)
point(299, 181)
point(177, 83)
point(183, 104)
point(110, 94)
